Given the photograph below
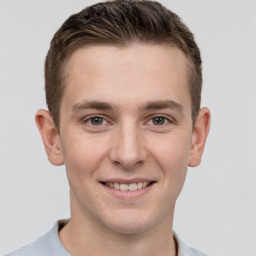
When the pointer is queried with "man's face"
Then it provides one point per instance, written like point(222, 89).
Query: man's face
point(125, 121)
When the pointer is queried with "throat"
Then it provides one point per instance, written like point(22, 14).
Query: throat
point(111, 243)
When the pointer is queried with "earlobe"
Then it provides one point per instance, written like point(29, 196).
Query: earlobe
point(49, 136)
point(200, 133)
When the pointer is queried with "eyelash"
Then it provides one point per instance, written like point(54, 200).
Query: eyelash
point(89, 119)
point(166, 120)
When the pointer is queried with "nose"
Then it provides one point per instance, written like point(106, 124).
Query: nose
point(127, 148)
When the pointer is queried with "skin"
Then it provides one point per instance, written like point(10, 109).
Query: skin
point(138, 97)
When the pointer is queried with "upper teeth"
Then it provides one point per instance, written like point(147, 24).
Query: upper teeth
point(126, 187)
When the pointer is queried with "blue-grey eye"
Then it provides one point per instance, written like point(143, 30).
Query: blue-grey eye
point(159, 120)
point(97, 120)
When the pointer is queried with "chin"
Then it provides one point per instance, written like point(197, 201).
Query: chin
point(129, 228)
point(129, 224)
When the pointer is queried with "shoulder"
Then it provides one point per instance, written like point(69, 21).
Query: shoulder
point(184, 250)
point(48, 244)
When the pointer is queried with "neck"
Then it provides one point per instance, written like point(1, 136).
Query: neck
point(78, 240)
point(83, 234)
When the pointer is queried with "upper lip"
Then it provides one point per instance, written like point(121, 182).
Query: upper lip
point(127, 181)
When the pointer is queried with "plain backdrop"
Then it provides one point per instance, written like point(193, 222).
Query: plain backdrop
point(216, 210)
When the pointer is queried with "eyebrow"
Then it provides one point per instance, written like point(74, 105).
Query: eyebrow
point(99, 105)
point(151, 105)
point(157, 105)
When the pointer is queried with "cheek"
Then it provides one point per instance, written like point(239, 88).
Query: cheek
point(172, 155)
point(174, 147)
point(82, 154)
point(82, 158)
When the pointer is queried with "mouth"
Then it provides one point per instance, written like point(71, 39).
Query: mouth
point(134, 186)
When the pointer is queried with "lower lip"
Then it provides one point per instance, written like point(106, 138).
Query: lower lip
point(128, 195)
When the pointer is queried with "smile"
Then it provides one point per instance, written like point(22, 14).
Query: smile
point(128, 187)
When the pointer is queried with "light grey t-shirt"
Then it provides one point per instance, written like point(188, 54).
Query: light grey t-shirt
point(50, 245)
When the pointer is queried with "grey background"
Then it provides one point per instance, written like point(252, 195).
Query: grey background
point(216, 210)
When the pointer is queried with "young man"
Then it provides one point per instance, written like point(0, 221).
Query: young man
point(123, 84)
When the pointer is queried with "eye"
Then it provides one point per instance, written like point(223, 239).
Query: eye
point(96, 121)
point(159, 120)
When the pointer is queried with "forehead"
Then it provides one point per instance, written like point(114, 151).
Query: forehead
point(135, 73)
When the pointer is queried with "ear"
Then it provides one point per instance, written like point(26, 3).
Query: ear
point(199, 136)
point(49, 136)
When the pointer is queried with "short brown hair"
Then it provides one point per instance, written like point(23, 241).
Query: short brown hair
point(120, 23)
